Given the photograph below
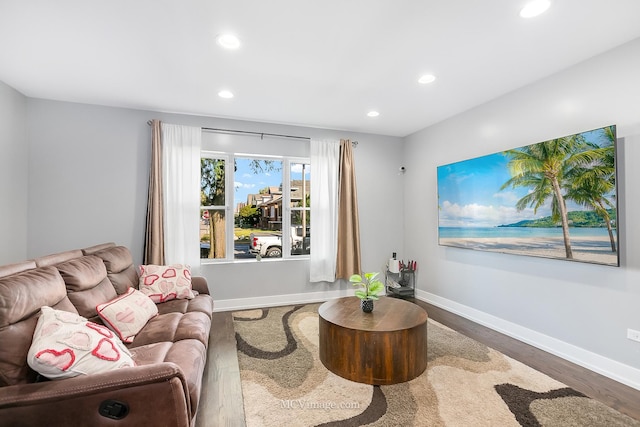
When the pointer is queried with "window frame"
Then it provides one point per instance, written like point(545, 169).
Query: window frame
point(290, 209)
point(228, 159)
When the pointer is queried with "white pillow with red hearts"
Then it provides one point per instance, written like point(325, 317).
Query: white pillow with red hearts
point(67, 345)
point(127, 314)
point(166, 282)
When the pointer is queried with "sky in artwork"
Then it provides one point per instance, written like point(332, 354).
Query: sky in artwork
point(469, 193)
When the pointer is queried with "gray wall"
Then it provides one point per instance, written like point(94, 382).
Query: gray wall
point(14, 175)
point(552, 303)
point(88, 176)
point(88, 184)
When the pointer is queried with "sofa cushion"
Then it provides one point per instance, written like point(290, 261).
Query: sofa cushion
point(202, 303)
point(10, 269)
point(190, 355)
point(166, 282)
point(174, 327)
point(91, 250)
point(21, 296)
point(128, 313)
point(53, 259)
point(66, 345)
point(87, 284)
point(120, 268)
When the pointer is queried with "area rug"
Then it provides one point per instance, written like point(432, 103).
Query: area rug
point(466, 383)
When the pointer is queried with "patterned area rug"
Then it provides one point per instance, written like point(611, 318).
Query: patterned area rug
point(466, 383)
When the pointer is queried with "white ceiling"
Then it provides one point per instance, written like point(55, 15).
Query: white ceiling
point(313, 63)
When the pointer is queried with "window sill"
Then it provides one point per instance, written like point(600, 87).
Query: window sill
point(205, 261)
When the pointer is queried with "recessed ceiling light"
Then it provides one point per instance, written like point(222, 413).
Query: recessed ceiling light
point(427, 78)
point(534, 8)
point(373, 114)
point(228, 41)
point(227, 94)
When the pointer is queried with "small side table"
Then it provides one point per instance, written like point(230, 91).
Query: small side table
point(400, 285)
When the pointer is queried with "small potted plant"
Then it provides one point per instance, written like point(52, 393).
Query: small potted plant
point(370, 288)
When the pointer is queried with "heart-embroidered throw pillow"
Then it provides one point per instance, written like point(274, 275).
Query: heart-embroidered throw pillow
point(66, 345)
point(166, 282)
point(128, 313)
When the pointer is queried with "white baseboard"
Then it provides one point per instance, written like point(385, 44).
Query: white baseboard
point(276, 300)
point(617, 371)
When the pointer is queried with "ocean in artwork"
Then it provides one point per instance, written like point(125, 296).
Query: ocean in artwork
point(518, 232)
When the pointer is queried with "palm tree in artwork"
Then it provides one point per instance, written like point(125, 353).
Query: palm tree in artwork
point(593, 183)
point(543, 168)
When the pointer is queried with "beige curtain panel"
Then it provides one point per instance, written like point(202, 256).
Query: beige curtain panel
point(154, 240)
point(348, 261)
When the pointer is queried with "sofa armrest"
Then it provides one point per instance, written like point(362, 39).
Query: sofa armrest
point(154, 394)
point(199, 283)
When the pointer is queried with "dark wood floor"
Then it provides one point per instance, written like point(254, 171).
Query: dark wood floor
point(221, 400)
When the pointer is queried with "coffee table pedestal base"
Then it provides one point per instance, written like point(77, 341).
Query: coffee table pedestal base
point(387, 346)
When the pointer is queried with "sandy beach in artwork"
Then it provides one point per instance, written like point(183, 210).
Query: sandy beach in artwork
point(596, 249)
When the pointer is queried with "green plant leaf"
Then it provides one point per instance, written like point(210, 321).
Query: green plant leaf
point(370, 276)
point(361, 294)
point(375, 287)
point(374, 297)
point(356, 278)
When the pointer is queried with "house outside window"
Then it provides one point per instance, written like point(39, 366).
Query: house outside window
point(271, 215)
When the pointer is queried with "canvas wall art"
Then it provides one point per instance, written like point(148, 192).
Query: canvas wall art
point(554, 199)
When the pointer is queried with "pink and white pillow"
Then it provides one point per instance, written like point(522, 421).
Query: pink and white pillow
point(166, 282)
point(128, 313)
point(66, 345)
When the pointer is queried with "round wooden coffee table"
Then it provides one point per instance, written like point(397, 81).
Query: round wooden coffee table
point(386, 346)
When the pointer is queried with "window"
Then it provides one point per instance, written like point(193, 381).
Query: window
point(271, 215)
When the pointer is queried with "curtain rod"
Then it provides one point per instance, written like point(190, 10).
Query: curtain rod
point(262, 134)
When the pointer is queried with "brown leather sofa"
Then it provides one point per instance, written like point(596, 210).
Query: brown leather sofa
point(163, 388)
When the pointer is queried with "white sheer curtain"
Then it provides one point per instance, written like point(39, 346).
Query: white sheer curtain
point(181, 186)
point(325, 161)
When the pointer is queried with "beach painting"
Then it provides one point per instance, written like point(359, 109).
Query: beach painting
point(554, 199)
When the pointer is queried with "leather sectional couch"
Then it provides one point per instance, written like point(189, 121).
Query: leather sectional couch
point(169, 353)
